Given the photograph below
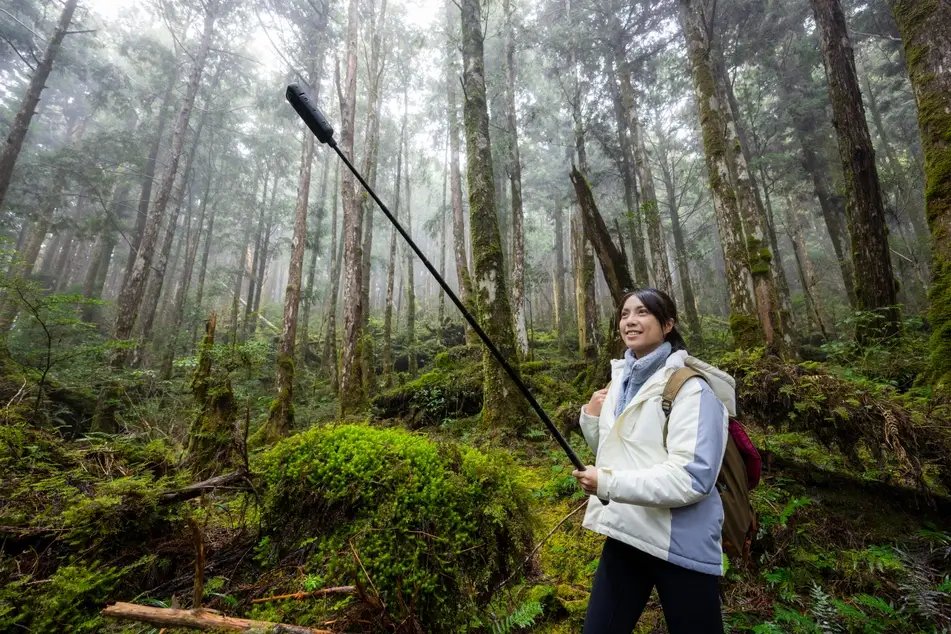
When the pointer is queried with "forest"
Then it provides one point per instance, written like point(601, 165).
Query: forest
point(232, 398)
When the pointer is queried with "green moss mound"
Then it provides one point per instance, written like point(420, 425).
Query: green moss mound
point(427, 529)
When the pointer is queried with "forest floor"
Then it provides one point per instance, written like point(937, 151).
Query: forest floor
point(440, 525)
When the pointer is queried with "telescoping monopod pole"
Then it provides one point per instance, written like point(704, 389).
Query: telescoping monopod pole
point(307, 109)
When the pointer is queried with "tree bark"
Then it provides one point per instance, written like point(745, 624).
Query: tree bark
point(745, 324)
point(689, 306)
point(263, 261)
point(463, 273)
point(281, 416)
point(312, 266)
point(615, 270)
point(21, 122)
point(336, 257)
point(203, 268)
point(157, 277)
point(585, 300)
point(391, 269)
point(515, 179)
point(148, 177)
point(198, 619)
point(875, 287)
point(626, 120)
point(558, 279)
point(803, 266)
point(412, 365)
point(131, 296)
point(925, 29)
point(181, 294)
point(102, 251)
point(501, 408)
point(352, 397)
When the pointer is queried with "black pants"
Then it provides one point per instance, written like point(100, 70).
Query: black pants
point(623, 584)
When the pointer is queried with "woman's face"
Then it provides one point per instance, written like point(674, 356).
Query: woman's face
point(640, 330)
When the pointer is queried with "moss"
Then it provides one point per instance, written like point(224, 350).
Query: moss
point(746, 331)
point(435, 526)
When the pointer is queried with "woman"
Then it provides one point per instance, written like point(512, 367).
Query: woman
point(664, 516)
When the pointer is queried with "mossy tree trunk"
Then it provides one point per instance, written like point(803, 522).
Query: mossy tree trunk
point(925, 28)
point(212, 447)
point(501, 405)
point(875, 286)
point(352, 396)
point(744, 320)
point(515, 179)
point(582, 260)
point(460, 253)
point(613, 264)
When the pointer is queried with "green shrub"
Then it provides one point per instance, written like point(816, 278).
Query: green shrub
point(429, 527)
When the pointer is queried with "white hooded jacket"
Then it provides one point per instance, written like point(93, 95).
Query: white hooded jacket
point(663, 501)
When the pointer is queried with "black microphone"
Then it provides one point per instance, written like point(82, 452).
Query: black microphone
point(303, 103)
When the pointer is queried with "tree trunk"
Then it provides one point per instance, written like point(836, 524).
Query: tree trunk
point(131, 296)
point(412, 365)
point(649, 208)
point(583, 264)
point(148, 178)
point(391, 269)
point(925, 29)
point(805, 119)
point(203, 268)
point(281, 417)
point(178, 309)
point(745, 323)
point(263, 261)
point(515, 179)
point(559, 277)
point(501, 407)
point(626, 120)
point(796, 235)
point(157, 278)
point(875, 287)
point(689, 306)
point(312, 266)
point(102, 251)
point(336, 258)
point(613, 265)
point(463, 274)
point(351, 372)
point(254, 282)
point(21, 123)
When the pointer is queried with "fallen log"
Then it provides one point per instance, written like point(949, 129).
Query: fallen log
point(304, 595)
point(195, 490)
point(199, 619)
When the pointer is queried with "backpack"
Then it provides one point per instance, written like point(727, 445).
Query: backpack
point(739, 474)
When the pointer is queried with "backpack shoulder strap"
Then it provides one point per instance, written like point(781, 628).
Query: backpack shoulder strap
point(674, 383)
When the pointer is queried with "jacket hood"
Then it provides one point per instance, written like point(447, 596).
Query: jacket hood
point(723, 385)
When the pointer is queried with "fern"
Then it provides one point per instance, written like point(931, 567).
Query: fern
point(523, 616)
point(823, 610)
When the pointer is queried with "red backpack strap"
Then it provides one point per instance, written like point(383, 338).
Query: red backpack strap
point(674, 383)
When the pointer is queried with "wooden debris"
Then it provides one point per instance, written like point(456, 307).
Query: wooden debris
point(304, 595)
point(198, 619)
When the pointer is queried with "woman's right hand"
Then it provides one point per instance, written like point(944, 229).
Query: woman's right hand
point(593, 408)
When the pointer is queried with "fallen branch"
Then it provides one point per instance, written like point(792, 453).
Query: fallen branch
point(304, 595)
point(539, 544)
point(195, 490)
point(198, 619)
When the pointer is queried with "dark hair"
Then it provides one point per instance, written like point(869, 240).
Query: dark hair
point(660, 305)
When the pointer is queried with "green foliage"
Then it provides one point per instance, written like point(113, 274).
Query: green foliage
point(521, 617)
point(428, 527)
